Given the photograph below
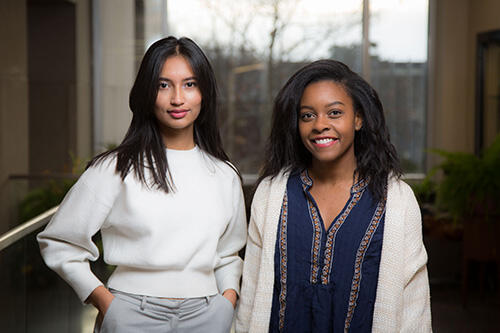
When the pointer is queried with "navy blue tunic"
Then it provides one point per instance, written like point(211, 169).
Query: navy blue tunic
point(326, 280)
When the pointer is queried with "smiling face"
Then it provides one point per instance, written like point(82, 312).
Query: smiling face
point(178, 102)
point(327, 123)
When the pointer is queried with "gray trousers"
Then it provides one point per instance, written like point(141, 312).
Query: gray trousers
point(135, 313)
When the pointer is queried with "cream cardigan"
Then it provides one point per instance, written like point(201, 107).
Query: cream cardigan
point(403, 300)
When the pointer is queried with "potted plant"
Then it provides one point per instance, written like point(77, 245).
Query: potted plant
point(471, 184)
point(470, 191)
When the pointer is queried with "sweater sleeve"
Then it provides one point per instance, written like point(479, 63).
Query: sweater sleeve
point(251, 267)
point(416, 295)
point(229, 266)
point(66, 243)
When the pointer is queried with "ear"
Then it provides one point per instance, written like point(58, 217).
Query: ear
point(358, 121)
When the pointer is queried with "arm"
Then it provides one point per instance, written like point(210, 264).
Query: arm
point(416, 295)
point(229, 266)
point(101, 298)
point(66, 243)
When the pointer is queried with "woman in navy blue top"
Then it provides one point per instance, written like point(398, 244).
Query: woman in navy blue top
point(330, 232)
point(328, 275)
point(335, 239)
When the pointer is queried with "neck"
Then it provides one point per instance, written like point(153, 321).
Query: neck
point(178, 140)
point(333, 172)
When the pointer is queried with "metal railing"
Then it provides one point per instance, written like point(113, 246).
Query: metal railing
point(34, 299)
point(26, 228)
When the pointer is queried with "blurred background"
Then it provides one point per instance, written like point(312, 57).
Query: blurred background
point(67, 66)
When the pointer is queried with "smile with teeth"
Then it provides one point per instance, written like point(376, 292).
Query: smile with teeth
point(324, 142)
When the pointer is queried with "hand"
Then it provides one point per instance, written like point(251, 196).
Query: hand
point(101, 298)
point(231, 296)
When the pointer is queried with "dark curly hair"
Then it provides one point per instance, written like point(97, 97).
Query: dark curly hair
point(376, 157)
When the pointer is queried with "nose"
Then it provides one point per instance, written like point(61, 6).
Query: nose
point(177, 97)
point(321, 124)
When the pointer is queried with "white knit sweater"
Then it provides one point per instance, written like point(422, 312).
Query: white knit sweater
point(181, 244)
point(402, 303)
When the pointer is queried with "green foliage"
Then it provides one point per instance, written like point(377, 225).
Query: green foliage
point(471, 184)
point(425, 191)
point(408, 165)
point(43, 198)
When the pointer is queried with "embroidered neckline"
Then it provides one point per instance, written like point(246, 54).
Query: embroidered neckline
point(307, 182)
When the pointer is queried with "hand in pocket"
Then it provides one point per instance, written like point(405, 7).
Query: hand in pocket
point(101, 298)
point(231, 296)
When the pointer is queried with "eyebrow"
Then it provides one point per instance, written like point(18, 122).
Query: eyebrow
point(326, 106)
point(186, 79)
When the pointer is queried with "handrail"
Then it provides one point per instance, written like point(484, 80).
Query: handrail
point(26, 228)
point(42, 176)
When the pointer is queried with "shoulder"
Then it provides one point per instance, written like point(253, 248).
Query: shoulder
point(273, 183)
point(397, 188)
point(400, 196)
point(98, 185)
point(402, 204)
point(270, 191)
point(101, 173)
point(224, 171)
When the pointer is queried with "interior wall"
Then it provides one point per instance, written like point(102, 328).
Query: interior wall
point(456, 24)
point(52, 81)
point(16, 98)
point(13, 100)
point(83, 79)
point(116, 50)
point(484, 16)
point(451, 127)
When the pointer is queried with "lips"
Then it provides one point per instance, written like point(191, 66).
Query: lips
point(178, 114)
point(324, 141)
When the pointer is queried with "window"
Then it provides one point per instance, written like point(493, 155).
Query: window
point(398, 71)
point(255, 45)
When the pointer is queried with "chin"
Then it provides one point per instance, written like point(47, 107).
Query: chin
point(330, 158)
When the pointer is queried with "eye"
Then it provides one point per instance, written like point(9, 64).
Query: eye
point(306, 116)
point(191, 84)
point(163, 85)
point(335, 113)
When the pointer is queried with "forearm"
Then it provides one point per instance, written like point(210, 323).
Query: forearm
point(101, 298)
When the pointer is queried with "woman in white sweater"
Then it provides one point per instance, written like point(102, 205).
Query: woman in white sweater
point(335, 239)
point(168, 204)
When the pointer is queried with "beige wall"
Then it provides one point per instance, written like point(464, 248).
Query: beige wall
point(113, 116)
point(83, 80)
point(484, 16)
point(13, 100)
point(452, 125)
point(456, 22)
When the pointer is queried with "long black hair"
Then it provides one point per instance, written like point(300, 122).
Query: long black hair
point(143, 146)
point(376, 157)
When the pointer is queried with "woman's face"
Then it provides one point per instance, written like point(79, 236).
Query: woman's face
point(327, 122)
point(178, 102)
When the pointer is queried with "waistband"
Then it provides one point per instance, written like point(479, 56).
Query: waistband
point(166, 305)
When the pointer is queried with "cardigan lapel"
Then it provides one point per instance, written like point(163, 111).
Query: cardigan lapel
point(264, 294)
point(386, 317)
